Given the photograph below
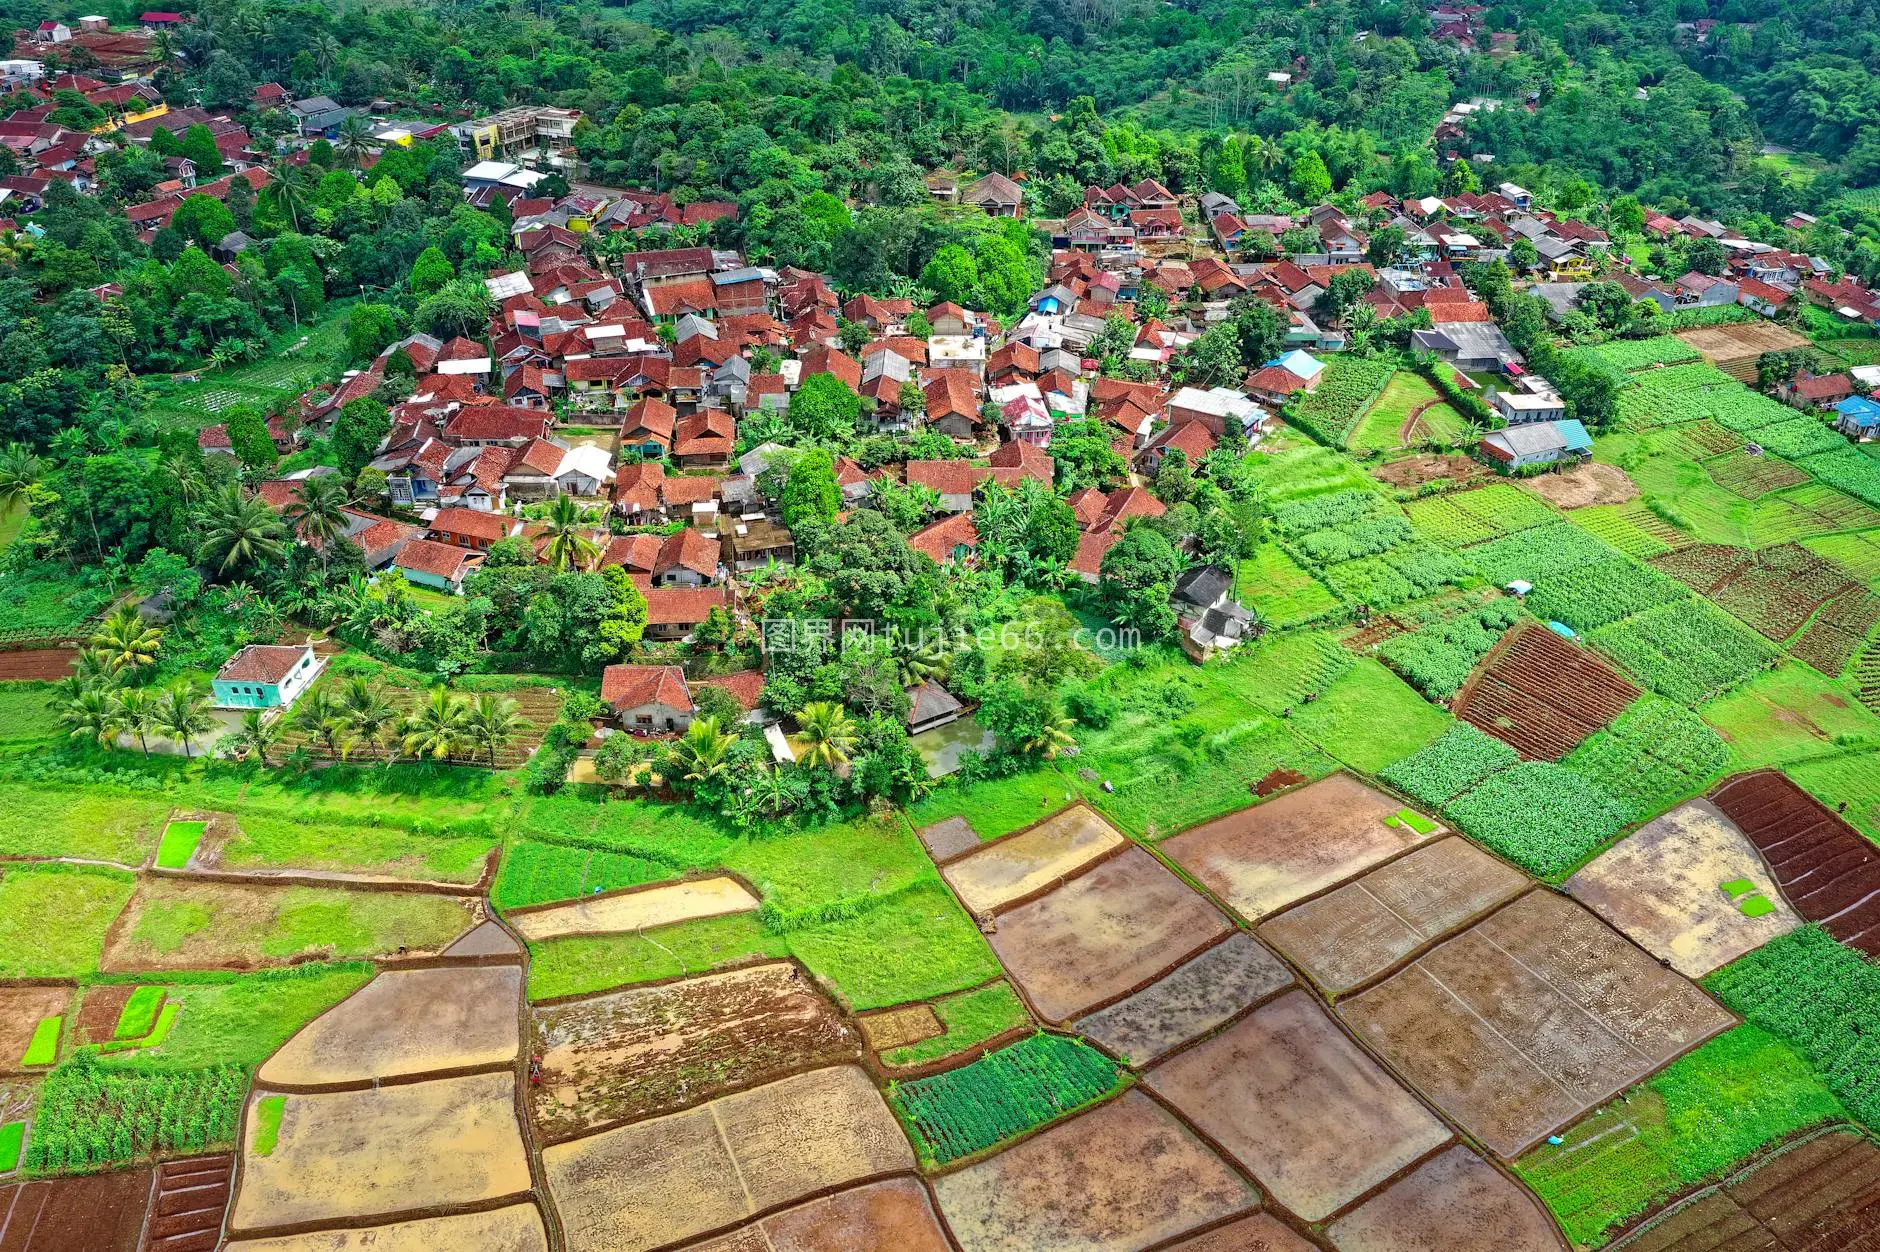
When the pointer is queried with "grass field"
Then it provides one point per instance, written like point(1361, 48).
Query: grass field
point(24, 718)
point(1370, 717)
point(969, 1018)
point(1381, 425)
point(93, 823)
point(1309, 470)
point(1789, 714)
point(1274, 585)
point(299, 358)
point(243, 1018)
point(998, 806)
point(281, 842)
point(1852, 779)
point(1858, 554)
point(53, 918)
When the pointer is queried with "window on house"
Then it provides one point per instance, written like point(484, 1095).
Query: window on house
point(643, 719)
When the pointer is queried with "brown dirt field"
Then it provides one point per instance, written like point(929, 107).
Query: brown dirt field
point(36, 664)
point(1261, 859)
point(489, 939)
point(637, 910)
point(1662, 886)
point(1529, 1018)
point(898, 1028)
point(675, 1177)
point(1310, 1116)
point(1363, 928)
point(1189, 1002)
point(98, 1213)
point(99, 1009)
point(190, 1201)
point(1583, 485)
point(403, 1022)
point(353, 1154)
point(1736, 340)
point(946, 840)
point(1260, 1233)
point(21, 1009)
point(894, 1216)
point(631, 1054)
point(991, 878)
point(1542, 695)
point(1414, 471)
point(517, 1228)
point(1124, 1175)
point(1822, 1196)
point(1456, 1202)
point(1828, 870)
point(1103, 934)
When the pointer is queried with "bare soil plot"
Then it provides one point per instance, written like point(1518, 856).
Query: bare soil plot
point(631, 1054)
point(1260, 1233)
point(1125, 1175)
point(99, 1008)
point(1023, 864)
point(1686, 888)
point(1822, 1196)
point(516, 1228)
point(1529, 1018)
point(891, 1215)
point(1542, 695)
point(1103, 935)
point(1192, 1000)
point(1261, 859)
point(1829, 872)
point(98, 1213)
point(404, 1022)
point(951, 838)
point(354, 1154)
point(1414, 471)
point(1349, 936)
point(640, 909)
point(1456, 1202)
point(898, 1028)
point(21, 1009)
point(489, 939)
point(1732, 343)
point(679, 1176)
point(1592, 483)
point(1310, 1116)
point(188, 1205)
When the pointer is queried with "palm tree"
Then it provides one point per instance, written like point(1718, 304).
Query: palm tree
point(1054, 735)
point(771, 795)
point(257, 734)
point(182, 713)
point(917, 658)
point(493, 724)
point(319, 713)
point(286, 192)
point(699, 754)
point(568, 543)
point(93, 715)
point(126, 640)
point(238, 530)
point(318, 516)
point(438, 726)
point(353, 137)
point(20, 470)
point(368, 715)
point(137, 711)
point(828, 732)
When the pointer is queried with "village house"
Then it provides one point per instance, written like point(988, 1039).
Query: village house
point(440, 566)
point(647, 699)
point(1539, 443)
point(265, 676)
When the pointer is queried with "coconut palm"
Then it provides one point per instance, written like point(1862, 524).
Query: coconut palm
point(918, 658)
point(1054, 735)
point(182, 713)
point(238, 530)
point(93, 715)
point(354, 135)
point(318, 515)
point(319, 713)
point(438, 726)
point(137, 713)
point(568, 543)
point(493, 724)
point(369, 716)
point(699, 754)
point(257, 733)
point(20, 470)
point(829, 733)
point(286, 193)
point(126, 641)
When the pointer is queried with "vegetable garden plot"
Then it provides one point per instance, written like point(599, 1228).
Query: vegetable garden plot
point(102, 1213)
point(188, 1203)
point(1127, 1174)
point(1437, 659)
point(407, 1022)
point(1505, 507)
point(1798, 437)
point(90, 1118)
point(1826, 868)
point(1655, 753)
point(1838, 631)
point(1315, 1120)
point(1703, 439)
point(1687, 651)
point(1666, 397)
point(1834, 510)
point(1330, 412)
point(1751, 477)
point(1631, 528)
point(1543, 817)
point(1704, 567)
point(1641, 354)
point(1534, 554)
point(1847, 470)
point(1443, 520)
point(1542, 694)
point(1529, 1018)
point(1858, 554)
point(1463, 757)
point(1779, 589)
point(1003, 1094)
point(1592, 596)
point(1687, 887)
point(1188, 1002)
point(1457, 1202)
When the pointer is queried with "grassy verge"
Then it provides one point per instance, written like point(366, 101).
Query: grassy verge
point(1789, 714)
point(997, 806)
point(242, 1019)
point(1370, 717)
point(53, 918)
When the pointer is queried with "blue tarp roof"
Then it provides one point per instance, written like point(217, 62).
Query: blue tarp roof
point(1575, 434)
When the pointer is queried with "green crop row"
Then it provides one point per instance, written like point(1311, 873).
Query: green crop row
point(536, 873)
point(1544, 817)
point(1587, 597)
point(1437, 659)
point(89, 1117)
point(1686, 651)
point(1330, 412)
point(1001, 1095)
point(1450, 766)
point(1655, 754)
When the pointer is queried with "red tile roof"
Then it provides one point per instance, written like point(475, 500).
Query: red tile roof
point(745, 686)
point(949, 478)
point(939, 539)
point(634, 686)
point(261, 663)
point(427, 556)
point(471, 523)
point(689, 550)
point(682, 606)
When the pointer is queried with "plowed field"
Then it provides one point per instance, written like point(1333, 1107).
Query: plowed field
point(1828, 871)
point(1542, 695)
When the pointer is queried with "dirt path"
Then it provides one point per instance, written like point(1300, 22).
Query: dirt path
point(1410, 423)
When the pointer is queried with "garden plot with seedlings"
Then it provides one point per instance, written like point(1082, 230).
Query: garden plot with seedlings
point(634, 1054)
point(1630, 528)
point(1312, 1118)
point(1264, 858)
point(636, 909)
point(1529, 1018)
point(1838, 632)
point(342, 1156)
point(1687, 651)
point(1103, 934)
point(404, 1023)
point(1214, 987)
point(966, 1111)
point(1024, 864)
point(1127, 1174)
point(1752, 477)
point(1543, 695)
point(1463, 757)
point(895, 1213)
point(1689, 888)
point(188, 1203)
point(177, 924)
point(513, 1228)
point(102, 1213)
point(1654, 755)
point(963, 1021)
point(88, 1116)
point(22, 1009)
point(1352, 934)
point(1456, 1202)
point(1828, 871)
point(686, 1174)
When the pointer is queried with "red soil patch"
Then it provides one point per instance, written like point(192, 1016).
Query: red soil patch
point(191, 1196)
point(1543, 695)
point(36, 664)
point(1278, 780)
point(1829, 872)
point(100, 1213)
point(98, 1013)
point(21, 1009)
